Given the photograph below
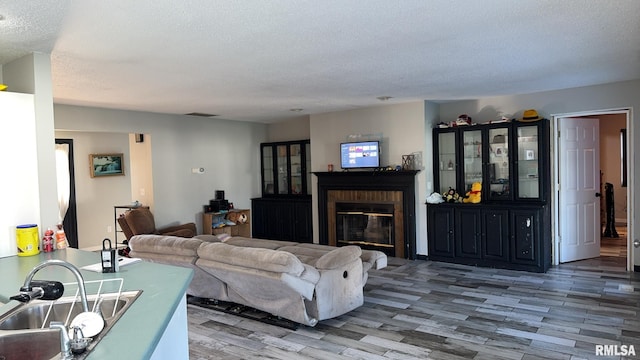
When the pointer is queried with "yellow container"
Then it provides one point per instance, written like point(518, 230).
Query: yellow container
point(28, 239)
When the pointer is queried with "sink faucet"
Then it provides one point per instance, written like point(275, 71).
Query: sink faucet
point(28, 292)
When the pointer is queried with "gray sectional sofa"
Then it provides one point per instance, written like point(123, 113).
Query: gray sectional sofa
point(304, 283)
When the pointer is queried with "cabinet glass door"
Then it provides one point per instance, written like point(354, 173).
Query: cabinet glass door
point(498, 164)
point(471, 157)
point(447, 161)
point(267, 170)
point(528, 162)
point(296, 168)
point(283, 170)
point(307, 167)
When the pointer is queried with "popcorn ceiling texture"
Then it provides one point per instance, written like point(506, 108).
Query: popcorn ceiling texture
point(255, 60)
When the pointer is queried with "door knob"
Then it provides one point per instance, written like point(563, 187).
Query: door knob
point(636, 243)
point(598, 194)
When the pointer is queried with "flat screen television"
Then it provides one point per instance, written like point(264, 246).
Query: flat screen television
point(360, 155)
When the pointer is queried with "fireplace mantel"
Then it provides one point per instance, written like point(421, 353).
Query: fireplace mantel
point(363, 183)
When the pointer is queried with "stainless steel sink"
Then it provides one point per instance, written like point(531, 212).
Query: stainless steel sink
point(28, 318)
point(30, 344)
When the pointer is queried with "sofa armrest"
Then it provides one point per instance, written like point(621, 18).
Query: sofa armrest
point(338, 257)
point(374, 259)
point(128, 233)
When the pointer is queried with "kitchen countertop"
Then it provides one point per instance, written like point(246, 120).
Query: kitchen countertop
point(137, 333)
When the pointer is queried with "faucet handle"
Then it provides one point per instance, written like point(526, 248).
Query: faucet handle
point(77, 333)
point(65, 346)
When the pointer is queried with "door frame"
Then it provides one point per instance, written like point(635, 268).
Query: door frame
point(556, 181)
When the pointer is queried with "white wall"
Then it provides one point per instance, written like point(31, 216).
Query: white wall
point(19, 188)
point(141, 170)
point(228, 150)
point(31, 74)
point(95, 197)
point(402, 127)
point(591, 98)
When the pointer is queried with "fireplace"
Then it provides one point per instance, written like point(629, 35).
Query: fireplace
point(374, 210)
point(368, 225)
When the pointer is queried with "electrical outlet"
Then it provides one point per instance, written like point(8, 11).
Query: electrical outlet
point(109, 228)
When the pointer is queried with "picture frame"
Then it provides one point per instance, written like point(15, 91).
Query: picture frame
point(101, 165)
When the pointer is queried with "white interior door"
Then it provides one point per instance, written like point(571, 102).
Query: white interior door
point(579, 177)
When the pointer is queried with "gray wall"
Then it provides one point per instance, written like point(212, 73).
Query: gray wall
point(227, 150)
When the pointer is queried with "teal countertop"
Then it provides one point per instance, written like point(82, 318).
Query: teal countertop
point(138, 331)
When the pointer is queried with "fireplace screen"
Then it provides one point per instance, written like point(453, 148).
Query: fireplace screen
point(364, 224)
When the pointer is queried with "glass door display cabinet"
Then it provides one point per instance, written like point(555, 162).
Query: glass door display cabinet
point(284, 210)
point(509, 228)
point(446, 158)
point(528, 170)
point(472, 156)
point(286, 168)
point(498, 164)
point(504, 158)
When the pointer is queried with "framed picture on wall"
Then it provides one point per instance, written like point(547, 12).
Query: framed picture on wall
point(106, 165)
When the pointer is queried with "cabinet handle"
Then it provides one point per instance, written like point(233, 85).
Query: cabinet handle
point(528, 222)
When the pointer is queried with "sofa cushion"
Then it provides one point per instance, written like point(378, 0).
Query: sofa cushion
point(258, 243)
point(208, 238)
point(254, 258)
point(162, 244)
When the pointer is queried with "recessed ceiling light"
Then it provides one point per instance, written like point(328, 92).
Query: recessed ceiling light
point(296, 110)
point(384, 98)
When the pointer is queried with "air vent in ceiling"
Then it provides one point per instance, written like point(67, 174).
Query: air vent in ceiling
point(201, 114)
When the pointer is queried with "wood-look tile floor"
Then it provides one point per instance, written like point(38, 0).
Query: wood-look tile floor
point(615, 246)
point(430, 310)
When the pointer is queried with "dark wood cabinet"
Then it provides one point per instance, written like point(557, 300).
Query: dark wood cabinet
point(282, 219)
point(526, 232)
point(440, 227)
point(489, 235)
point(495, 234)
point(468, 232)
point(284, 210)
point(511, 226)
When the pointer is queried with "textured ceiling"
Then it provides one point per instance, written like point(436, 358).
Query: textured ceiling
point(255, 60)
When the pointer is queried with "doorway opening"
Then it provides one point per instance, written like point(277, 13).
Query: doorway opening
point(612, 170)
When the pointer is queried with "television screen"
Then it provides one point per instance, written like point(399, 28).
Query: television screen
point(363, 154)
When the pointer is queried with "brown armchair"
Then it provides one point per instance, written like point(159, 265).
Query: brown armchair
point(140, 221)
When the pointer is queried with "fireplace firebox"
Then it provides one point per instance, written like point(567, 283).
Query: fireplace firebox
point(367, 225)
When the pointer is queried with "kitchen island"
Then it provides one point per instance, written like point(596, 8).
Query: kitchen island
point(154, 327)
